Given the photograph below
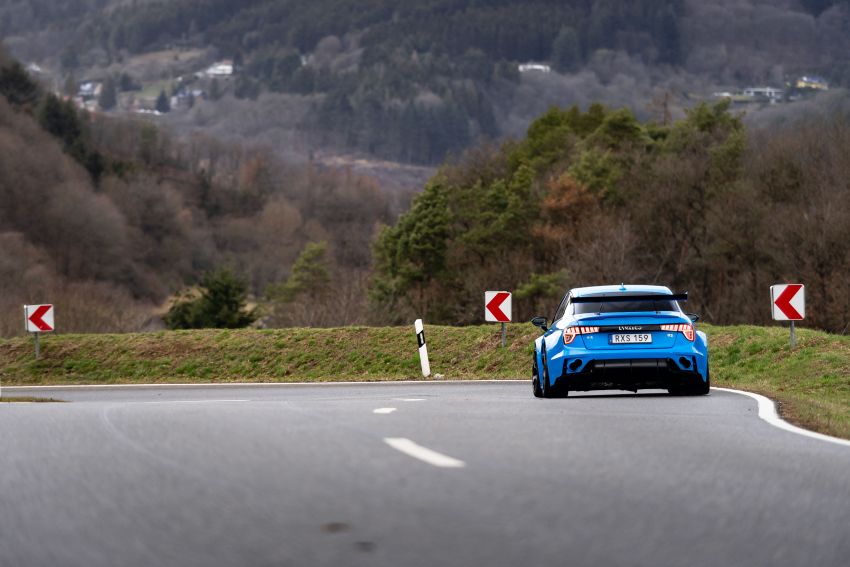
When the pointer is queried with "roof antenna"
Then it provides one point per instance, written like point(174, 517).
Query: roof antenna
point(622, 287)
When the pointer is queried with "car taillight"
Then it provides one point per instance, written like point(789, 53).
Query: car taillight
point(684, 328)
point(570, 333)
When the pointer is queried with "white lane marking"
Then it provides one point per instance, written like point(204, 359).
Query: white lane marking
point(259, 385)
point(424, 454)
point(193, 401)
point(383, 410)
point(767, 412)
point(411, 399)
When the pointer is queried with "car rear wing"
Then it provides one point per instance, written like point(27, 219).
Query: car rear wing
point(623, 298)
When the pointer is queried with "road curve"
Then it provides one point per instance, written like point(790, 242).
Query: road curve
point(412, 474)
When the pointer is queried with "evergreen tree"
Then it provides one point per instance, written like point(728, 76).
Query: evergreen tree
point(127, 83)
point(17, 86)
point(215, 90)
point(60, 118)
point(221, 305)
point(566, 50)
point(310, 276)
point(108, 96)
point(409, 255)
point(162, 102)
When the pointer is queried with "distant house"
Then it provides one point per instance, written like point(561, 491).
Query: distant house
point(534, 68)
point(751, 95)
point(89, 90)
point(812, 82)
point(759, 93)
point(221, 69)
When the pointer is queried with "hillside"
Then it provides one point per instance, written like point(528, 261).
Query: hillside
point(108, 218)
point(418, 82)
point(114, 214)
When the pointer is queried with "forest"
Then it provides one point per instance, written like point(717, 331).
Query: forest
point(419, 82)
point(703, 205)
point(113, 217)
point(109, 219)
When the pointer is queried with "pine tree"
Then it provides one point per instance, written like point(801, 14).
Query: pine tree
point(215, 90)
point(566, 50)
point(162, 102)
point(17, 86)
point(222, 305)
point(108, 96)
point(310, 276)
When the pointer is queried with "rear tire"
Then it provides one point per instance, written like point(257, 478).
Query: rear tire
point(703, 388)
point(698, 389)
point(547, 389)
point(535, 380)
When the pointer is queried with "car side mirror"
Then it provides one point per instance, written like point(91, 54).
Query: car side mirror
point(540, 322)
point(693, 317)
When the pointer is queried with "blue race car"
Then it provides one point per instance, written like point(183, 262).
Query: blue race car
point(625, 337)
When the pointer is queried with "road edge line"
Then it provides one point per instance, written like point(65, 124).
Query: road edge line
point(768, 413)
point(255, 384)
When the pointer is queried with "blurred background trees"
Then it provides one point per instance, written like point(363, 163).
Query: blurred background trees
point(596, 197)
point(115, 216)
point(110, 218)
point(419, 82)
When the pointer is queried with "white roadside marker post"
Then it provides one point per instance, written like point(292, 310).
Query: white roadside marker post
point(423, 348)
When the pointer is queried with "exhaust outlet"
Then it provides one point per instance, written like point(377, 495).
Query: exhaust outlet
point(686, 363)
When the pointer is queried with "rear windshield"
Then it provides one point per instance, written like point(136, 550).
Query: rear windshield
point(625, 306)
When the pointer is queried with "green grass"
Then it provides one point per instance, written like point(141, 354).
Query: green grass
point(812, 383)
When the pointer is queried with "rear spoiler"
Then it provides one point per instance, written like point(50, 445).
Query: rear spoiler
point(621, 298)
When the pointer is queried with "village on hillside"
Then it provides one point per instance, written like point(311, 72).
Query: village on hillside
point(794, 90)
point(125, 93)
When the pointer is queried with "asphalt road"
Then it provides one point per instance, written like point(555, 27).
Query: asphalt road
point(442, 474)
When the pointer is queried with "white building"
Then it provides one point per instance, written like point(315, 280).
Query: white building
point(90, 89)
point(220, 69)
point(770, 93)
point(534, 67)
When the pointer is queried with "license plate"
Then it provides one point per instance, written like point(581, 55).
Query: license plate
point(631, 338)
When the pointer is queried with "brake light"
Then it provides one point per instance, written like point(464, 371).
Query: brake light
point(684, 328)
point(570, 333)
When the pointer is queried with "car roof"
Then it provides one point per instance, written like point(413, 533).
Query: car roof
point(622, 288)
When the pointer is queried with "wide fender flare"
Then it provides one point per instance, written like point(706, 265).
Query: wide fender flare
point(702, 346)
point(544, 346)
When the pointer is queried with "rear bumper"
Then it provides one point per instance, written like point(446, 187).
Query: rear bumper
point(628, 369)
point(629, 374)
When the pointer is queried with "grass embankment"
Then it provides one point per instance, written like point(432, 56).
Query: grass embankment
point(812, 383)
point(26, 400)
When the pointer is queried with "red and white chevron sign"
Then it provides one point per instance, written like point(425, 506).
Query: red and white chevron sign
point(788, 302)
point(497, 306)
point(39, 318)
